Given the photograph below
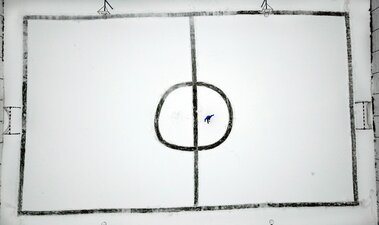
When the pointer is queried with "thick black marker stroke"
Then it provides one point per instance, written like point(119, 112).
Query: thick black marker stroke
point(198, 208)
point(2, 30)
point(201, 147)
point(186, 14)
point(194, 111)
point(351, 106)
point(24, 104)
point(192, 209)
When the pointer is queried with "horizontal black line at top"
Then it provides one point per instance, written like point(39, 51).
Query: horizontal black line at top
point(190, 209)
point(185, 14)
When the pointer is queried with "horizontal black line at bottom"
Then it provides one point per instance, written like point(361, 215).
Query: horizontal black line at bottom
point(190, 209)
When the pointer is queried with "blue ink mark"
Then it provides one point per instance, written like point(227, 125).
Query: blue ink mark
point(208, 118)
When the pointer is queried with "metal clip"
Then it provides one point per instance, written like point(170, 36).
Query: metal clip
point(266, 9)
point(363, 119)
point(8, 110)
point(103, 10)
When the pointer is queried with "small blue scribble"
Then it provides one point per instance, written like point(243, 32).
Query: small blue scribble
point(208, 118)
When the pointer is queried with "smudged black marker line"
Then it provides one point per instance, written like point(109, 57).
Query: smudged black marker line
point(191, 148)
point(24, 106)
point(186, 14)
point(192, 209)
point(194, 111)
point(351, 106)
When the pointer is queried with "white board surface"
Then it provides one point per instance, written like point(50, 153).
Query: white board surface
point(96, 93)
point(92, 98)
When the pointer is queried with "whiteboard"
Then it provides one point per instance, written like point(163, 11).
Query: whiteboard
point(92, 100)
point(281, 147)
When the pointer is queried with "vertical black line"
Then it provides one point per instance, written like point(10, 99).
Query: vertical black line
point(351, 105)
point(195, 121)
point(2, 76)
point(23, 135)
point(2, 30)
point(364, 115)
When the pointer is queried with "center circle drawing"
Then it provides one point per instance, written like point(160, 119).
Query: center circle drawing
point(193, 148)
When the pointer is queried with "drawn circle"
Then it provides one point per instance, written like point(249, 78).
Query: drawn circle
point(193, 148)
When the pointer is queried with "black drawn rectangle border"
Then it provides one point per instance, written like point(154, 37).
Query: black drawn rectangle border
point(353, 203)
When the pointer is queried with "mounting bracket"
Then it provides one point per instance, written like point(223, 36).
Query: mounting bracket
point(363, 118)
point(8, 111)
